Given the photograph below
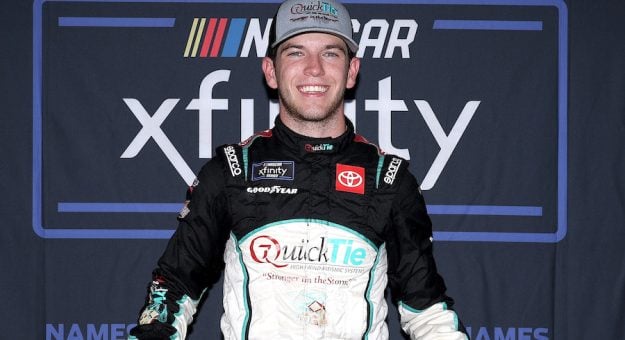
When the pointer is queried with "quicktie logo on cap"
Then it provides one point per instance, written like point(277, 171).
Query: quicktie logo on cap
point(314, 8)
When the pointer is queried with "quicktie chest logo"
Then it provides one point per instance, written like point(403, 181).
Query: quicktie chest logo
point(324, 250)
point(321, 147)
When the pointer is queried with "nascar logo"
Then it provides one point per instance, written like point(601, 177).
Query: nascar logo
point(234, 37)
point(222, 37)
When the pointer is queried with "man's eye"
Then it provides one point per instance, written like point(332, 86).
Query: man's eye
point(295, 54)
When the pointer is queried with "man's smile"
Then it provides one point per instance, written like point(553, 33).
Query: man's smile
point(313, 89)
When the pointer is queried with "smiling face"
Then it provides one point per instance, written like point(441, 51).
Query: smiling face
point(311, 72)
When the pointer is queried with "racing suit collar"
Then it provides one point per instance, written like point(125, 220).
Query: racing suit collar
point(310, 145)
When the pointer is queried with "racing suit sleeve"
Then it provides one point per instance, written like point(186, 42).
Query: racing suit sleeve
point(191, 262)
point(417, 288)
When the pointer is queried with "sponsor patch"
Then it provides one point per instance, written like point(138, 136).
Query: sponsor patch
point(191, 188)
point(185, 210)
point(315, 314)
point(319, 147)
point(391, 170)
point(276, 189)
point(233, 161)
point(279, 170)
point(157, 309)
point(350, 178)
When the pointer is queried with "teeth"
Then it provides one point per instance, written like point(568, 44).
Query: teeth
point(313, 88)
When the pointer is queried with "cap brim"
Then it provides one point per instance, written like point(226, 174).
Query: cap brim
point(351, 44)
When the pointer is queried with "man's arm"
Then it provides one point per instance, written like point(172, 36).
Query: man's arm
point(418, 289)
point(191, 262)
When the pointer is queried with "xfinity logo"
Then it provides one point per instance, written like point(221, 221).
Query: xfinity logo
point(276, 189)
point(206, 106)
point(339, 251)
point(391, 172)
point(233, 160)
point(281, 170)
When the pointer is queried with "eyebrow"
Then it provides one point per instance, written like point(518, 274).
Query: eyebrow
point(327, 47)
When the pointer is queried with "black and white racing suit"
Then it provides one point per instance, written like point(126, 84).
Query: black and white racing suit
point(308, 232)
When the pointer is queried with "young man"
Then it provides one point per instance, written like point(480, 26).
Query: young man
point(308, 220)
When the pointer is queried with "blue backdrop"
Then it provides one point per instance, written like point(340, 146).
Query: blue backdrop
point(512, 113)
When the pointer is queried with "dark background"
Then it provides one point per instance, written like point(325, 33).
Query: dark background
point(571, 289)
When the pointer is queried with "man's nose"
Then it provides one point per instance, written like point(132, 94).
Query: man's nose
point(314, 66)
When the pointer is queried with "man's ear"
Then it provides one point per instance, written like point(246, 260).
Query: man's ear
point(352, 72)
point(269, 71)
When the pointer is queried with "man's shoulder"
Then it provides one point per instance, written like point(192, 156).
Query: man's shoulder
point(255, 138)
point(366, 145)
point(390, 167)
point(234, 156)
point(373, 148)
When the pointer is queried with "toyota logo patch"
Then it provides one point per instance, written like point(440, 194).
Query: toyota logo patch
point(350, 178)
